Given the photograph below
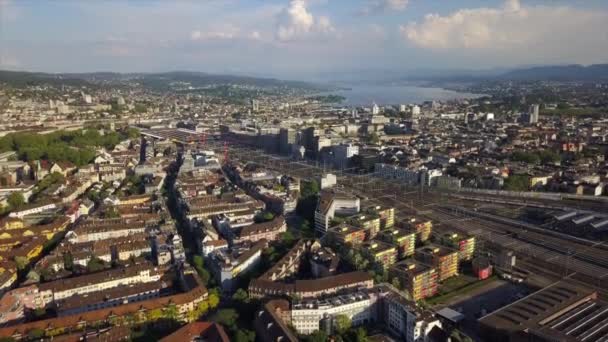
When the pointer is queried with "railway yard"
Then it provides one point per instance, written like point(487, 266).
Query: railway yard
point(540, 252)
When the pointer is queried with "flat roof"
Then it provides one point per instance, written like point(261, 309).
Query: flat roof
point(562, 311)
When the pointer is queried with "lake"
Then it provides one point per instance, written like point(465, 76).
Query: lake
point(366, 95)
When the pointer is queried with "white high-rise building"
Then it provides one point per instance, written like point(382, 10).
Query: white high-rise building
point(255, 105)
point(534, 113)
point(415, 112)
point(402, 108)
point(375, 109)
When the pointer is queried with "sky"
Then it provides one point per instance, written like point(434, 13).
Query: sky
point(296, 38)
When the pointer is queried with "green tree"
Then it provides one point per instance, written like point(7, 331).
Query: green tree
point(309, 188)
point(226, 317)
point(170, 312)
point(199, 266)
point(317, 336)
point(288, 237)
point(264, 216)
point(214, 300)
point(21, 262)
point(396, 283)
point(373, 138)
point(526, 157)
point(517, 183)
point(140, 108)
point(35, 334)
point(132, 133)
point(241, 295)
point(244, 335)
point(16, 200)
point(359, 335)
point(95, 265)
point(111, 212)
point(343, 323)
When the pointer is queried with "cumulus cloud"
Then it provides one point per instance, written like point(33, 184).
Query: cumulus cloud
point(516, 30)
point(377, 6)
point(297, 22)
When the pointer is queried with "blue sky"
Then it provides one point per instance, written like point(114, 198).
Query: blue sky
point(294, 38)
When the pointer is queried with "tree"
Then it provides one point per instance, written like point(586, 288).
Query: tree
point(517, 183)
point(244, 335)
point(343, 323)
point(111, 212)
point(140, 108)
point(35, 333)
point(288, 237)
point(360, 335)
point(21, 262)
point(373, 138)
point(170, 312)
point(526, 157)
point(264, 216)
point(396, 283)
point(317, 336)
point(68, 261)
point(309, 188)
point(198, 263)
point(16, 199)
point(95, 265)
point(226, 317)
point(241, 296)
point(202, 307)
point(214, 300)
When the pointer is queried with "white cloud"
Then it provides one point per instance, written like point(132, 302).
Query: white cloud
point(227, 33)
point(9, 62)
point(376, 6)
point(526, 33)
point(297, 22)
point(8, 11)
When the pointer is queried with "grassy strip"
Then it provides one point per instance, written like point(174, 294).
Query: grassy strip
point(460, 291)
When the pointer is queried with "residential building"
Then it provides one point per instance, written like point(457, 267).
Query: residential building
point(331, 204)
point(419, 279)
point(464, 244)
point(405, 240)
point(443, 258)
point(383, 253)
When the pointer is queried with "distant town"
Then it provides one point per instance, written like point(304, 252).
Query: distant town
point(194, 207)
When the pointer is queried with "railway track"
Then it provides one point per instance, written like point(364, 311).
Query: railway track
point(579, 260)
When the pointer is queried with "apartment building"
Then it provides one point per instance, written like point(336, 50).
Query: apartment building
point(60, 289)
point(348, 234)
point(465, 244)
point(119, 295)
point(269, 231)
point(383, 253)
point(405, 241)
point(360, 307)
point(423, 228)
point(229, 263)
point(331, 204)
point(419, 279)
point(443, 258)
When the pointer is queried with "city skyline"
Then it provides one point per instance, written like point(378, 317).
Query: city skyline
point(296, 38)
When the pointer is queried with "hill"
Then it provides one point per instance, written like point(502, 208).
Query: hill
point(156, 81)
point(596, 72)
